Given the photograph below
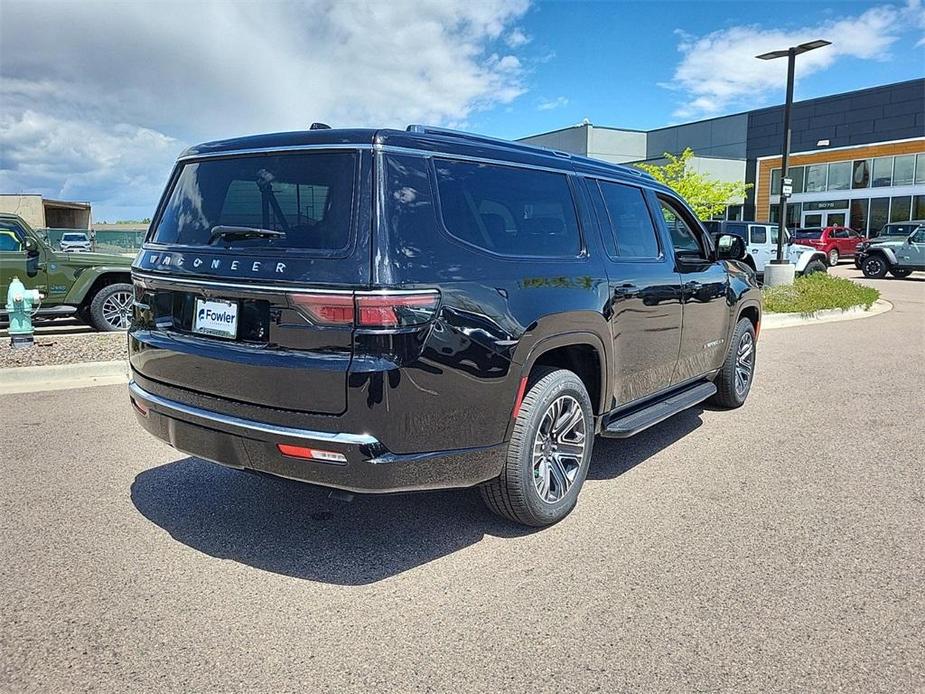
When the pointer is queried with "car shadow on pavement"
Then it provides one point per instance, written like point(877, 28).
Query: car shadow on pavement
point(613, 457)
point(294, 529)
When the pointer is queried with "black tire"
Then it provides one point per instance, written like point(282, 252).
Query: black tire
point(875, 266)
point(814, 266)
point(108, 309)
point(729, 394)
point(900, 274)
point(833, 257)
point(516, 493)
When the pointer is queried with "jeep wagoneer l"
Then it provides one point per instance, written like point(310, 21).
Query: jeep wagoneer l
point(382, 310)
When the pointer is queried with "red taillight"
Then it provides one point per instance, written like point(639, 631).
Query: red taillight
point(368, 310)
point(328, 309)
point(394, 310)
point(306, 453)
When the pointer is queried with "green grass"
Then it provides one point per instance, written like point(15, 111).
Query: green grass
point(817, 292)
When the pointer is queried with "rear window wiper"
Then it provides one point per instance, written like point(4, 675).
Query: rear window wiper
point(223, 230)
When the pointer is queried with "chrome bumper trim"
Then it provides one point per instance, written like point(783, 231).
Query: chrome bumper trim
point(247, 425)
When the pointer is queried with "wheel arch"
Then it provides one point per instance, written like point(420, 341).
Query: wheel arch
point(580, 352)
point(89, 283)
point(885, 252)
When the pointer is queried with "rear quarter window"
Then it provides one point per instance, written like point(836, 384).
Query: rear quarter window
point(508, 210)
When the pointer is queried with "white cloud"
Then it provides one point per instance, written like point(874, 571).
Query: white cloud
point(550, 104)
point(94, 95)
point(517, 38)
point(719, 71)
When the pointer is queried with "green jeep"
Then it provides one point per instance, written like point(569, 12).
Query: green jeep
point(900, 254)
point(94, 287)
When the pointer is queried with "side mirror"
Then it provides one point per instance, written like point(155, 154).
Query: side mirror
point(30, 245)
point(730, 247)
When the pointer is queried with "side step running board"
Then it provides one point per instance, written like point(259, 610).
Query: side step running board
point(659, 411)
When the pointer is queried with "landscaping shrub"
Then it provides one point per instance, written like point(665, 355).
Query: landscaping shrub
point(817, 292)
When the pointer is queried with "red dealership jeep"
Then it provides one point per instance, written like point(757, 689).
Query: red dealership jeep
point(835, 242)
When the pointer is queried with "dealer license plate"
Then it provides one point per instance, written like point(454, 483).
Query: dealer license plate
point(218, 318)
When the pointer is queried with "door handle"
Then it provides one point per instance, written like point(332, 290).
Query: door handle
point(625, 288)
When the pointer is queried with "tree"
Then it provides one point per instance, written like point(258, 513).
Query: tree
point(706, 196)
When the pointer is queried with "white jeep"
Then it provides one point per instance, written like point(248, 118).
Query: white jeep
point(761, 244)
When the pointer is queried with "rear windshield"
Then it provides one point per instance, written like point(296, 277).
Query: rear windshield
point(807, 234)
point(73, 237)
point(297, 200)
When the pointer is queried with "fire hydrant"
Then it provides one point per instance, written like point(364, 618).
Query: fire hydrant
point(21, 305)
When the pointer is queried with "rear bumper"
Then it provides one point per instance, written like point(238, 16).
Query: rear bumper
point(249, 444)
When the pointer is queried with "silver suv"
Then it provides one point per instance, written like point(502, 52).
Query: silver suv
point(75, 241)
point(899, 250)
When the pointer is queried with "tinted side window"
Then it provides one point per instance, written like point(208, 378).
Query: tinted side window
point(685, 240)
point(9, 238)
point(759, 234)
point(634, 233)
point(508, 210)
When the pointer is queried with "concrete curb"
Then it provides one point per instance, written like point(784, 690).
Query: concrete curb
point(30, 379)
point(772, 321)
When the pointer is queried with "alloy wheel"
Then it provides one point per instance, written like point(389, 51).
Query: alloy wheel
point(745, 363)
point(559, 448)
point(117, 310)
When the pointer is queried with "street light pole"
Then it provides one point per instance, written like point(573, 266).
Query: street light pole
point(781, 276)
point(785, 158)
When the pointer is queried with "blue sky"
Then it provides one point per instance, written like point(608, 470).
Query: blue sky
point(613, 62)
point(97, 98)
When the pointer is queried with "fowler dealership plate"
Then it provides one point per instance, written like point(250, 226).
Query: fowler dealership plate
point(219, 318)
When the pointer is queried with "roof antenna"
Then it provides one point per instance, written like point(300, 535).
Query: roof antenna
point(319, 126)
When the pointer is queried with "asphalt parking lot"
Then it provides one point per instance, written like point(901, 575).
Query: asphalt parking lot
point(777, 547)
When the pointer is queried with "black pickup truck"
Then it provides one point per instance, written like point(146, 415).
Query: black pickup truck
point(383, 310)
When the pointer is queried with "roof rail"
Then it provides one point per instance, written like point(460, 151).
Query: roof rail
point(432, 130)
point(462, 134)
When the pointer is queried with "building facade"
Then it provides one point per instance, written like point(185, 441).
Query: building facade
point(42, 213)
point(857, 159)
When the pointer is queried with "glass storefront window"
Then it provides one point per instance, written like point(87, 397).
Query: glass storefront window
point(796, 174)
point(775, 181)
point(840, 176)
point(860, 177)
point(879, 214)
point(815, 178)
point(918, 206)
point(919, 168)
point(902, 170)
point(901, 208)
point(794, 212)
point(859, 216)
point(883, 172)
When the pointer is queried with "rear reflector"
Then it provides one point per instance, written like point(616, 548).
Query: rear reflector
point(311, 453)
point(520, 397)
point(140, 407)
point(368, 310)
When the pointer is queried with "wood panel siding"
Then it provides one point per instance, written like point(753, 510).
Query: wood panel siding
point(763, 188)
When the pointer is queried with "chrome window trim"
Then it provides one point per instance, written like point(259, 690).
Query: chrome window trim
point(282, 149)
point(249, 424)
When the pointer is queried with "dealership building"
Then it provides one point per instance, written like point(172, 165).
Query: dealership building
point(857, 159)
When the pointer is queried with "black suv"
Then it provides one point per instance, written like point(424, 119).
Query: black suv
point(382, 311)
